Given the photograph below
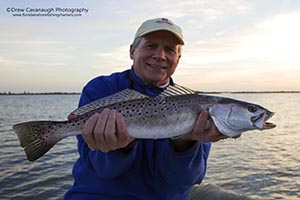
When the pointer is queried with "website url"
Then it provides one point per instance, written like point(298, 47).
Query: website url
point(46, 15)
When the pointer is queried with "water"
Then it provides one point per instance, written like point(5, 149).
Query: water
point(260, 164)
point(49, 177)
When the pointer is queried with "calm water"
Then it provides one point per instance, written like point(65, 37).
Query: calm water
point(259, 164)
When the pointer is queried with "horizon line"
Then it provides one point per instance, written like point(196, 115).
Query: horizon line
point(201, 92)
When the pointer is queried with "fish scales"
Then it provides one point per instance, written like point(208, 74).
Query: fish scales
point(161, 117)
point(173, 113)
point(154, 117)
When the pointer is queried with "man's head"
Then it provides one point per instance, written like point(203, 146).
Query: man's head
point(156, 50)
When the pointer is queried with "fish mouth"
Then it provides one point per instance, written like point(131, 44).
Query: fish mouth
point(261, 120)
point(269, 125)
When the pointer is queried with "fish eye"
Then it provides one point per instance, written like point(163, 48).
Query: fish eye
point(252, 109)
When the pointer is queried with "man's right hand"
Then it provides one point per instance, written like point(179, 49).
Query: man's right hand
point(106, 131)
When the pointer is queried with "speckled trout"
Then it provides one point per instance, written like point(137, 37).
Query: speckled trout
point(173, 113)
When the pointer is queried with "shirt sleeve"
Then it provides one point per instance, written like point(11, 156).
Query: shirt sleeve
point(105, 165)
point(185, 168)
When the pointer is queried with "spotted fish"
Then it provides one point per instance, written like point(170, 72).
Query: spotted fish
point(173, 113)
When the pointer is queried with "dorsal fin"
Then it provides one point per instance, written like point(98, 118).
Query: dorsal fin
point(176, 90)
point(124, 95)
point(129, 94)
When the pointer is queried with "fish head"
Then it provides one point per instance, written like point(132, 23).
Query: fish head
point(232, 119)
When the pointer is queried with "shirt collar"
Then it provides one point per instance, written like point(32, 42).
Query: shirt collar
point(147, 89)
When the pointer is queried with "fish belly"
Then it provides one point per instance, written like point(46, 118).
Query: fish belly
point(162, 125)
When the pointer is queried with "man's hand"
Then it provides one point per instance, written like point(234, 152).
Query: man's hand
point(206, 134)
point(106, 131)
point(200, 133)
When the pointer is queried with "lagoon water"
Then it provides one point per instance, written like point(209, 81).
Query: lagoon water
point(259, 164)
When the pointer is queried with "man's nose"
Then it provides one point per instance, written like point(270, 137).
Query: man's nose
point(160, 54)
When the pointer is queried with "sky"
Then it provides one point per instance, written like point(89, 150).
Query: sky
point(232, 45)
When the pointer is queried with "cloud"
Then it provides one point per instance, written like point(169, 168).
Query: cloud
point(111, 60)
point(226, 41)
point(264, 55)
point(275, 39)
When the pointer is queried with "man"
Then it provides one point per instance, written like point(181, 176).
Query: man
point(113, 165)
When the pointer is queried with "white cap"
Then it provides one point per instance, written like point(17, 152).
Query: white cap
point(160, 24)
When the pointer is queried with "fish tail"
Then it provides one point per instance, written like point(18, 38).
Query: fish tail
point(38, 137)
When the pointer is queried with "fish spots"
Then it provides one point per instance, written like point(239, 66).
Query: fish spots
point(129, 109)
point(54, 127)
point(35, 133)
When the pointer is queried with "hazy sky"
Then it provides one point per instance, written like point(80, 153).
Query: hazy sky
point(232, 45)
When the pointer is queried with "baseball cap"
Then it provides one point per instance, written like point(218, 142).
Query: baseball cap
point(159, 24)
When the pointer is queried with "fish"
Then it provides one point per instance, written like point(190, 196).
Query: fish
point(171, 114)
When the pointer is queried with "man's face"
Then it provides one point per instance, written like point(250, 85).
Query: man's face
point(156, 57)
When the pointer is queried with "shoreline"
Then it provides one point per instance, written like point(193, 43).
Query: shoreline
point(201, 92)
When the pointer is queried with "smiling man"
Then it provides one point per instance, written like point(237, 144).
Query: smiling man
point(155, 57)
point(113, 165)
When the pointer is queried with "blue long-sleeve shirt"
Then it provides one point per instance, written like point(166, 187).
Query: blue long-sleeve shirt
point(150, 170)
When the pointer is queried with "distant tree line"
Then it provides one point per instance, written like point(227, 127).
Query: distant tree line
point(77, 93)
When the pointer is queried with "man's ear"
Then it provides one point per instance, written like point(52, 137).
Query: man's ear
point(131, 51)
